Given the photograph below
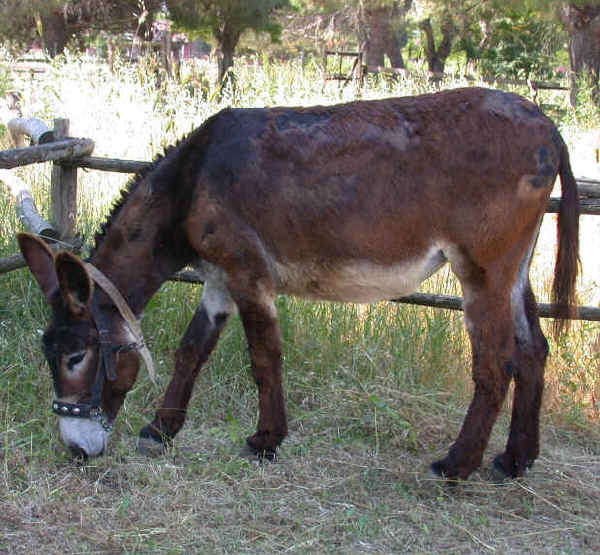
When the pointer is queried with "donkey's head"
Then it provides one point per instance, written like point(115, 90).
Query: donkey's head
point(90, 350)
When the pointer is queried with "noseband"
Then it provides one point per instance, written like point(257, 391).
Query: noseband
point(107, 353)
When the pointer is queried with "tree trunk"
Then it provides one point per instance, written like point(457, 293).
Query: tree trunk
point(227, 39)
point(583, 26)
point(53, 33)
point(166, 53)
point(381, 31)
point(436, 57)
point(225, 61)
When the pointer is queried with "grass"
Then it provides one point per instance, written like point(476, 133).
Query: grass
point(374, 393)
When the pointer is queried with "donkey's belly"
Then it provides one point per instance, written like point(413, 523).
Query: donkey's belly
point(359, 281)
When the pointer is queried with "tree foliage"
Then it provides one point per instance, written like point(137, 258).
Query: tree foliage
point(226, 20)
point(56, 22)
point(520, 47)
point(513, 38)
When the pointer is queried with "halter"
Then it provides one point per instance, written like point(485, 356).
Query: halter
point(107, 353)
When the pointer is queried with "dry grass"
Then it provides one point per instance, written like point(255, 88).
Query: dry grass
point(338, 486)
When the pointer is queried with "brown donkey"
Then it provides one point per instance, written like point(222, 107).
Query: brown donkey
point(357, 202)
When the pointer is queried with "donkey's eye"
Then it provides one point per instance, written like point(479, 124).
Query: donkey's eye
point(75, 359)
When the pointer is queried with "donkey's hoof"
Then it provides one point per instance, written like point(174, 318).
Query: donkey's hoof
point(500, 469)
point(152, 443)
point(260, 451)
point(149, 448)
point(506, 468)
point(450, 472)
point(441, 470)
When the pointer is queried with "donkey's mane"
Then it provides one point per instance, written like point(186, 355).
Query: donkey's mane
point(132, 185)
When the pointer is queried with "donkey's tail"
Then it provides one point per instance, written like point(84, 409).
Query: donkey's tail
point(567, 256)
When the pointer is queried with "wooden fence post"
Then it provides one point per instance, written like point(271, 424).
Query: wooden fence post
point(63, 189)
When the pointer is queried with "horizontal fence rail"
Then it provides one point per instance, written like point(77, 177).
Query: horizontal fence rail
point(109, 164)
point(49, 152)
point(588, 313)
point(16, 261)
point(589, 190)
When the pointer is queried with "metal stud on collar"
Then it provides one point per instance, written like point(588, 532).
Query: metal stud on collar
point(83, 411)
point(70, 409)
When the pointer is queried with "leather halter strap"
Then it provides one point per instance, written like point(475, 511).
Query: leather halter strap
point(106, 354)
point(127, 314)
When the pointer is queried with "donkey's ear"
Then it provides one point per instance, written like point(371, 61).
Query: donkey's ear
point(40, 260)
point(74, 282)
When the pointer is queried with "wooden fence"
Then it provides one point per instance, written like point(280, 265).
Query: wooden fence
point(68, 154)
point(359, 70)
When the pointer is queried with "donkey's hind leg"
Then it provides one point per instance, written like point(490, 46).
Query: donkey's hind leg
point(490, 325)
point(261, 325)
point(527, 366)
point(194, 349)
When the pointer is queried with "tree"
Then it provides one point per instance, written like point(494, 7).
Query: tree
point(19, 20)
point(378, 26)
point(455, 24)
point(437, 55)
point(382, 29)
point(582, 22)
point(55, 22)
point(504, 42)
point(226, 20)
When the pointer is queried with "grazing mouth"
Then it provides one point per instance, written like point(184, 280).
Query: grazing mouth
point(83, 436)
point(78, 452)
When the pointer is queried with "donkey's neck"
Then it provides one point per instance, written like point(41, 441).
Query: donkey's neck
point(142, 247)
point(136, 277)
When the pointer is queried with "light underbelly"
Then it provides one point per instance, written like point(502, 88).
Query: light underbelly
point(358, 281)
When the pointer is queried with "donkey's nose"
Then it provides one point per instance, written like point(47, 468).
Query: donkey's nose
point(78, 453)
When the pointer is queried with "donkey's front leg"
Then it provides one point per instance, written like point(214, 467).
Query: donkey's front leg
point(196, 346)
point(261, 325)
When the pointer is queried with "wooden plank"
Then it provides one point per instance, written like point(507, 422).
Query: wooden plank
point(339, 77)
point(109, 164)
point(586, 206)
point(57, 150)
point(63, 190)
point(532, 84)
point(588, 187)
point(546, 310)
point(20, 191)
point(548, 86)
point(342, 53)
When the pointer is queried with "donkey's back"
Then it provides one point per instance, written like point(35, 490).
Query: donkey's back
point(362, 201)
